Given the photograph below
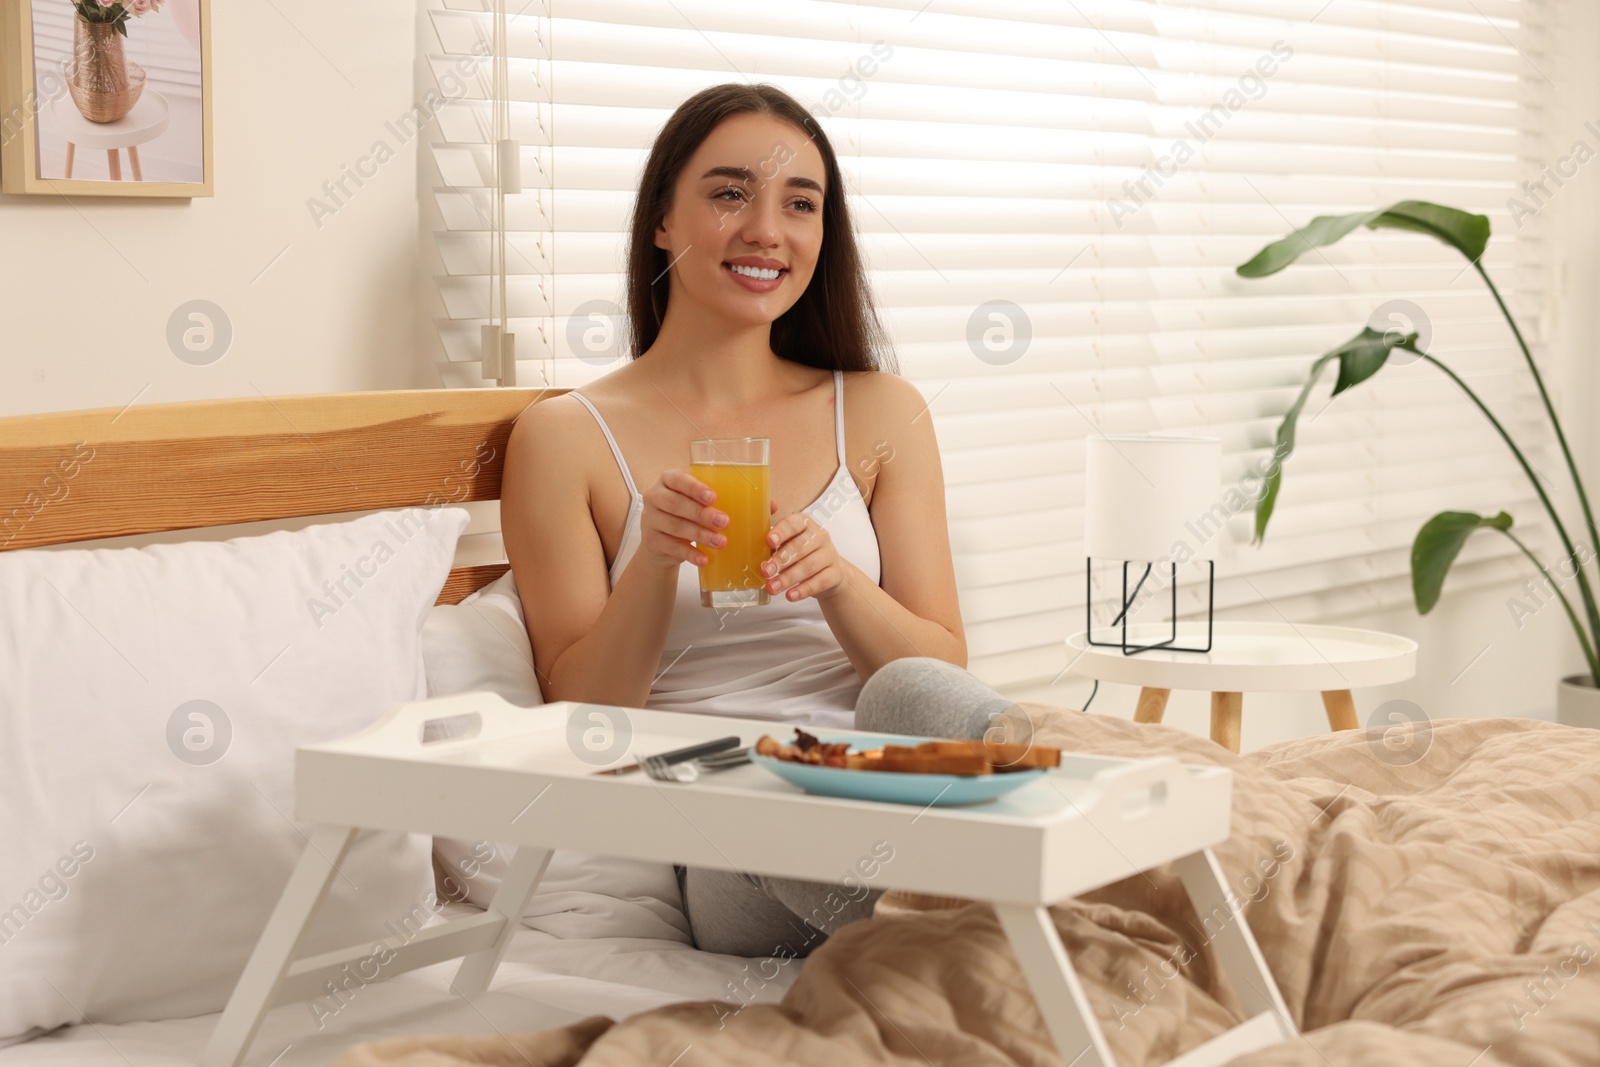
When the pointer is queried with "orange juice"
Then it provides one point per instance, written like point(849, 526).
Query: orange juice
point(733, 577)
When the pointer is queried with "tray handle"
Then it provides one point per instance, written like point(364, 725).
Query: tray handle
point(426, 725)
point(1139, 789)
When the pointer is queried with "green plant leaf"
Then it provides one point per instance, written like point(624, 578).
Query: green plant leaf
point(1283, 446)
point(1359, 359)
point(1461, 230)
point(1365, 354)
point(1465, 232)
point(1437, 545)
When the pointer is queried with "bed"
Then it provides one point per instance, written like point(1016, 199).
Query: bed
point(598, 941)
point(545, 982)
point(1424, 895)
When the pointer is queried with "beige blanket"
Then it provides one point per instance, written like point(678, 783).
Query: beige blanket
point(1434, 911)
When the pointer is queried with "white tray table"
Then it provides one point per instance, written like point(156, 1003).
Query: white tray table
point(521, 776)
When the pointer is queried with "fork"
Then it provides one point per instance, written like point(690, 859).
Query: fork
point(689, 770)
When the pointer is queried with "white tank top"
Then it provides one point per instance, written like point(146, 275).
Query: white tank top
point(777, 661)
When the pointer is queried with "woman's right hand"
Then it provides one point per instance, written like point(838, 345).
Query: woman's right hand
point(677, 510)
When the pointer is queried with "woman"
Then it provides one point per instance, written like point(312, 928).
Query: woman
point(741, 183)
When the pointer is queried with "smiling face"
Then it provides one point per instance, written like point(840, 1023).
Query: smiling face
point(748, 203)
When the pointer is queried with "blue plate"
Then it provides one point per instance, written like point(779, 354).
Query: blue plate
point(892, 787)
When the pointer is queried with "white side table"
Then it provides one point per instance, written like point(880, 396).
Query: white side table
point(146, 122)
point(1263, 657)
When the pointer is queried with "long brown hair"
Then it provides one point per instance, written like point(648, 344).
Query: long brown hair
point(833, 324)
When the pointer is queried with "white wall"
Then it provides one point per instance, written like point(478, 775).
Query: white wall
point(89, 283)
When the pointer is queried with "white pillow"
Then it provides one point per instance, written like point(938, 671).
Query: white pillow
point(151, 700)
point(482, 644)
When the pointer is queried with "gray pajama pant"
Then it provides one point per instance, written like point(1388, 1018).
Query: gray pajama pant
point(743, 914)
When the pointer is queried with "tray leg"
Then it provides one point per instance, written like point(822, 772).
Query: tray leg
point(510, 901)
point(1237, 951)
point(1055, 985)
point(275, 951)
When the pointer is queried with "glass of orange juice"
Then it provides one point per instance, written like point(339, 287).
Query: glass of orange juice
point(736, 469)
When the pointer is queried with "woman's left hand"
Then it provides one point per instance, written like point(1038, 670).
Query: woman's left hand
point(804, 560)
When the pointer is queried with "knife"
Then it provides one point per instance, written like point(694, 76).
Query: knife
point(680, 755)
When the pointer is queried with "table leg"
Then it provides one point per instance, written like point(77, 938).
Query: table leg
point(114, 161)
point(1341, 710)
point(133, 159)
point(71, 151)
point(511, 900)
point(1055, 985)
point(1226, 709)
point(275, 951)
point(1152, 704)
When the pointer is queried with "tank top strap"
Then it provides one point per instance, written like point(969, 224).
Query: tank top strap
point(838, 414)
point(610, 440)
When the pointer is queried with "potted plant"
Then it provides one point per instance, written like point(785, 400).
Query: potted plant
point(1440, 540)
point(105, 84)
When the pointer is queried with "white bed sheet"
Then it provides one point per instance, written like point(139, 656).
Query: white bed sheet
point(544, 982)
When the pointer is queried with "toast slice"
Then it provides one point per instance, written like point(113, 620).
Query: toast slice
point(908, 761)
point(1003, 756)
point(1012, 756)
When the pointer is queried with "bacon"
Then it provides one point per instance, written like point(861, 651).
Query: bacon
point(807, 749)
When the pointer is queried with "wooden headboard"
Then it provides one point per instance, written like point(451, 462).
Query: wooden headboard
point(81, 475)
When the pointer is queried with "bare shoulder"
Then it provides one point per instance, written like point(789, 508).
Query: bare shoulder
point(881, 385)
point(616, 392)
point(546, 422)
point(887, 399)
point(550, 442)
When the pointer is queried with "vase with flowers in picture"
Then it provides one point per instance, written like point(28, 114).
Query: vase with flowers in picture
point(104, 82)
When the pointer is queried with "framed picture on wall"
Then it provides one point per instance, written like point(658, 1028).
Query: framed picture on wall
point(105, 99)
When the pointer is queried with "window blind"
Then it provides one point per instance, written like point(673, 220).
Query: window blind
point(1100, 167)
